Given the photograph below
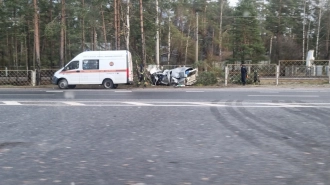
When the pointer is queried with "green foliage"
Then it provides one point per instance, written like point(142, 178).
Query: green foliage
point(247, 43)
point(207, 78)
point(246, 29)
point(236, 79)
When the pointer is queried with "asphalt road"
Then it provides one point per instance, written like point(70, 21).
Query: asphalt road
point(185, 136)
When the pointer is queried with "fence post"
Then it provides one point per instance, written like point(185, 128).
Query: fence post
point(226, 75)
point(277, 73)
point(33, 77)
point(6, 69)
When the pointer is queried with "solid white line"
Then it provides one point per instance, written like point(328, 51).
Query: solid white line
point(137, 103)
point(198, 106)
point(123, 91)
point(208, 104)
point(301, 96)
point(194, 91)
point(54, 91)
point(11, 103)
point(74, 103)
point(26, 94)
point(284, 105)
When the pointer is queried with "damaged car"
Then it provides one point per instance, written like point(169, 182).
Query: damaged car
point(180, 76)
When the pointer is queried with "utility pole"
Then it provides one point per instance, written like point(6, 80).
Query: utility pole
point(36, 38)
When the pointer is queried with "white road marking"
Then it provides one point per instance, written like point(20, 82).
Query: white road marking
point(74, 103)
point(194, 91)
point(123, 91)
point(301, 96)
point(138, 103)
point(208, 104)
point(54, 91)
point(165, 104)
point(285, 105)
point(11, 103)
point(25, 94)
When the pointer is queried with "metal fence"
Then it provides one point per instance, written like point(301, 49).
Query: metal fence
point(16, 77)
point(163, 67)
point(255, 72)
point(46, 76)
point(295, 70)
point(298, 69)
point(26, 77)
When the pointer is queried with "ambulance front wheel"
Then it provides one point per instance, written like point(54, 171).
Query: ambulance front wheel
point(63, 84)
point(108, 84)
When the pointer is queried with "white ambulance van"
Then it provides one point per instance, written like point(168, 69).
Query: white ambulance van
point(107, 68)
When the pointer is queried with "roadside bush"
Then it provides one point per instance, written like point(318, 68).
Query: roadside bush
point(207, 78)
point(237, 79)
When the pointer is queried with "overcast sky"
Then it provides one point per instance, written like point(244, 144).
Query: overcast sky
point(232, 2)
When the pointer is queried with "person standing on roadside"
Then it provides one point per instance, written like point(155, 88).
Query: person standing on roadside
point(243, 74)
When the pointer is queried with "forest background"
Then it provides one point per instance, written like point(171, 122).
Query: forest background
point(36, 34)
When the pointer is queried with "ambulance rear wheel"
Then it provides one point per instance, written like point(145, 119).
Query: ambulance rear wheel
point(63, 84)
point(108, 84)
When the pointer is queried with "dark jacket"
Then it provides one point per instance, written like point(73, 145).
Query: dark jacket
point(243, 70)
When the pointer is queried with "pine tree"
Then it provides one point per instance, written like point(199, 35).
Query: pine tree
point(247, 43)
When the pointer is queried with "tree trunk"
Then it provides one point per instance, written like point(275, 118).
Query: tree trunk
point(62, 33)
point(104, 30)
point(169, 41)
point(220, 31)
point(83, 28)
point(128, 29)
point(65, 47)
point(36, 39)
point(328, 37)
point(95, 39)
point(196, 52)
point(116, 31)
point(318, 32)
point(187, 43)
point(304, 35)
point(51, 39)
point(142, 37)
point(28, 48)
point(157, 33)
point(118, 24)
point(278, 36)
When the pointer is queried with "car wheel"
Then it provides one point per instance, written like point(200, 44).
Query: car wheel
point(108, 84)
point(63, 84)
